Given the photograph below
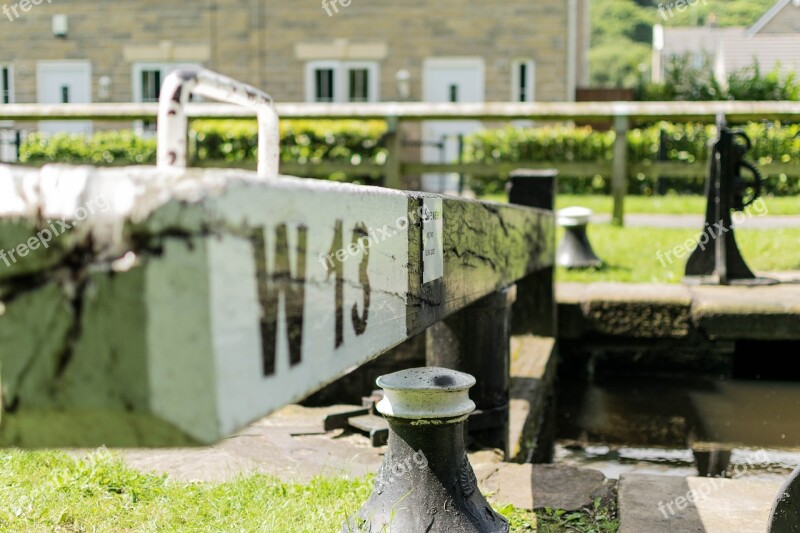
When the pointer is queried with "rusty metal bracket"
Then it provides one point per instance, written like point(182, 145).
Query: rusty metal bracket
point(173, 122)
point(365, 420)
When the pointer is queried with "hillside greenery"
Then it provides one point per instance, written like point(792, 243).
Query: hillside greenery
point(622, 32)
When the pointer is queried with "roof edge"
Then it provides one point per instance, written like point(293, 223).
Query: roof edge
point(767, 17)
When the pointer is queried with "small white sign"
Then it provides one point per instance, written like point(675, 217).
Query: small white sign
point(432, 239)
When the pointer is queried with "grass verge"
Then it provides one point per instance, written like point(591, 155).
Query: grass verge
point(661, 205)
point(631, 254)
point(52, 491)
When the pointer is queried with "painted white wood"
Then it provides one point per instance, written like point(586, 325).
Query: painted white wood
point(243, 393)
point(200, 287)
point(56, 79)
point(705, 112)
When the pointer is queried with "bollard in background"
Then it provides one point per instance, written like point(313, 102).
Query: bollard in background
point(575, 251)
point(426, 482)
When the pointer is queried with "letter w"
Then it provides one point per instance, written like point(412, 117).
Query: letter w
point(281, 283)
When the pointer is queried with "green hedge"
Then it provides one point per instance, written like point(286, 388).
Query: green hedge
point(229, 141)
point(773, 142)
point(103, 148)
point(356, 142)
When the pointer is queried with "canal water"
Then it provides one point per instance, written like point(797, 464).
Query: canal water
point(651, 425)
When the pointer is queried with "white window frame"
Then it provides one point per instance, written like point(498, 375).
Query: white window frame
point(530, 87)
point(10, 68)
point(166, 68)
point(341, 79)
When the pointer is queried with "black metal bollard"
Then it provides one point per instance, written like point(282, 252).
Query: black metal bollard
point(785, 514)
point(426, 482)
point(575, 250)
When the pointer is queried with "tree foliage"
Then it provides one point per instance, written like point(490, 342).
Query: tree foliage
point(683, 80)
point(622, 32)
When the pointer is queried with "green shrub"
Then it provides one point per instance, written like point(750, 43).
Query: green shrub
point(231, 141)
point(688, 143)
point(683, 80)
point(356, 142)
point(102, 148)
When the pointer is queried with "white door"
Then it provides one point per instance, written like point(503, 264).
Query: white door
point(458, 80)
point(64, 82)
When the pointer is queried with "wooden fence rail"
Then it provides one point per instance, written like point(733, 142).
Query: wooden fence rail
point(623, 115)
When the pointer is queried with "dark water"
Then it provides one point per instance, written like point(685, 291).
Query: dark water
point(651, 425)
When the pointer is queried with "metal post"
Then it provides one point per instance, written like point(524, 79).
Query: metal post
point(717, 260)
point(535, 310)
point(173, 121)
point(426, 482)
point(619, 181)
point(476, 341)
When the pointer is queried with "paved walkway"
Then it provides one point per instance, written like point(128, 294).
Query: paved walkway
point(639, 310)
point(291, 445)
point(697, 221)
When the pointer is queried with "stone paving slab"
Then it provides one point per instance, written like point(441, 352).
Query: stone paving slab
point(636, 310)
point(534, 487)
point(290, 444)
point(660, 504)
point(766, 313)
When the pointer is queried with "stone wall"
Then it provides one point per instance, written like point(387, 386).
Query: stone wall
point(266, 43)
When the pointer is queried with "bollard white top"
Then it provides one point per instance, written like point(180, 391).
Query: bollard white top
point(426, 393)
point(574, 216)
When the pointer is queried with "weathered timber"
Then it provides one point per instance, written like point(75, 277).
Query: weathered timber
point(638, 112)
point(186, 304)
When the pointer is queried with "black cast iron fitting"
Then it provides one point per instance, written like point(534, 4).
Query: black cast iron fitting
point(426, 483)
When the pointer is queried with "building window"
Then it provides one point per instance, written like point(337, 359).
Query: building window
point(523, 79)
point(323, 85)
point(147, 80)
point(148, 77)
point(150, 81)
point(6, 85)
point(359, 84)
point(339, 81)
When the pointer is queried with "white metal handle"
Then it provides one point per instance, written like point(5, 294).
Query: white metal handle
point(173, 122)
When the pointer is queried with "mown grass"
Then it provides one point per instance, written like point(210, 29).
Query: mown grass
point(51, 491)
point(661, 205)
point(47, 491)
point(671, 204)
point(631, 254)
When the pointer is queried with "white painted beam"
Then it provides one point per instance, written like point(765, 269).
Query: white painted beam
point(195, 302)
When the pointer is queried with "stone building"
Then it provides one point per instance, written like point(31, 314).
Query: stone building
point(80, 51)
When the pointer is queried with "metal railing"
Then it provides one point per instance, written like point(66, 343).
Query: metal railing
point(623, 116)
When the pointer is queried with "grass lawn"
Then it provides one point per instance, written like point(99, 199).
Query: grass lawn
point(631, 253)
point(51, 491)
point(665, 205)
